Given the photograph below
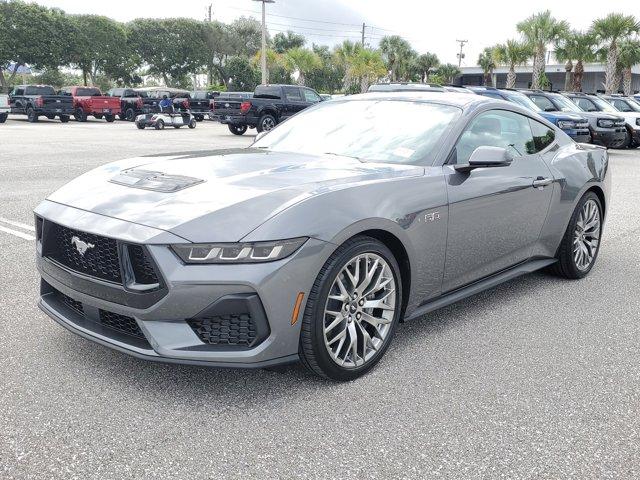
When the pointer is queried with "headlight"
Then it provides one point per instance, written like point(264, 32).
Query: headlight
point(238, 252)
point(565, 124)
point(604, 123)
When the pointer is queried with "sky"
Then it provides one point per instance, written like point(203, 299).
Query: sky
point(429, 27)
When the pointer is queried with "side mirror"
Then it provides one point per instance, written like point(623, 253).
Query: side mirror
point(486, 157)
point(260, 135)
point(550, 109)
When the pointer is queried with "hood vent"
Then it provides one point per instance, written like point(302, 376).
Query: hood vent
point(155, 181)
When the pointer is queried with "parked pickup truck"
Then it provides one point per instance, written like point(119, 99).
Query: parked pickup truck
point(131, 103)
point(269, 105)
point(40, 100)
point(4, 108)
point(90, 101)
point(151, 97)
point(200, 101)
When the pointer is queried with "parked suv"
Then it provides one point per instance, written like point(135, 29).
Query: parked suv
point(605, 114)
point(4, 107)
point(90, 101)
point(600, 104)
point(40, 100)
point(270, 105)
point(566, 122)
point(576, 125)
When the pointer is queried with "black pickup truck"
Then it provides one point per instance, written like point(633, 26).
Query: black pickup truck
point(131, 103)
point(40, 100)
point(269, 105)
point(201, 102)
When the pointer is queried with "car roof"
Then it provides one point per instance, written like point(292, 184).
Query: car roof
point(458, 99)
point(405, 87)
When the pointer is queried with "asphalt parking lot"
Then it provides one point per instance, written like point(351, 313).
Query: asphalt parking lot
point(538, 378)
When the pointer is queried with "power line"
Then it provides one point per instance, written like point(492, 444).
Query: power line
point(312, 28)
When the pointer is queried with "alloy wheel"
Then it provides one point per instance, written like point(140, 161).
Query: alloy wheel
point(268, 124)
point(359, 311)
point(586, 235)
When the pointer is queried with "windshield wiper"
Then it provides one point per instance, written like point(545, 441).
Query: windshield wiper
point(343, 155)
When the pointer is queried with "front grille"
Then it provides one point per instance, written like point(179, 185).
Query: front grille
point(142, 268)
point(74, 305)
point(100, 258)
point(121, 323)
point(233, 330)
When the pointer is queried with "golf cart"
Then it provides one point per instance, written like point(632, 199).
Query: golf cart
point(168, 118)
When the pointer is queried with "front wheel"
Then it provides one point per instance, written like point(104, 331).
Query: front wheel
point(32, 116)
point(140, 126)
point(237, 129)
point(159, 125)
point(580, 245)
point(79, 115)
point(64, 118)
point(3, 117)
point(192, 123)
point(109, 118)
point(267, 122)
point(130, 115)
point(353, 309)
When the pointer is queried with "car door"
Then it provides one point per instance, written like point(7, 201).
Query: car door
point(310, 97)
point(496, 214)
point(293, 101)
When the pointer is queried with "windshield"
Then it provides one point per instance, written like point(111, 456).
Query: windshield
point(387, 131)
point(523, 100)
point(39, 91)
point(634, 104)
point(564, 104)
point(604, 106)
point(87, 92)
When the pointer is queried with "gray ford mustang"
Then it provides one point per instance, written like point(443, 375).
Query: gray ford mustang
point(316, 241)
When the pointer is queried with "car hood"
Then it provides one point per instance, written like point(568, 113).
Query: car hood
point(216, 196)
point(554, 116)
point(601, 115)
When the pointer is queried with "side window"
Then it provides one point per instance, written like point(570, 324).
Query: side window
point(292, 94)
point(543, 102)
point(585, 104)
point(495, 128)
point(543, 136)
point(310, 96)
point(18, 91)
point(622, 106)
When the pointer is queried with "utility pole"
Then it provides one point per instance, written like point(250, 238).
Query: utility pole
point(363, 27)
point(461, 55)
point(263, 56)
point(209, 12)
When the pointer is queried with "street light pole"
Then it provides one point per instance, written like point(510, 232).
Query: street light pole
point(461, 55)
point(263, 55)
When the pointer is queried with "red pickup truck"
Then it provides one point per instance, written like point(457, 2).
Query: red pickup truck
point(90, 101)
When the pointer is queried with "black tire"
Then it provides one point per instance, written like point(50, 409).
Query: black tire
point(3, 117)
point(140, 126)
point(192, 123)
point(566, 266)
point(109, 118)
point(237, 129)
point(312, 350)
point(199, 118)
point(122, 116)
point(159, 125)
point(79, 115)
point(623, 143)
point(176, 126)
point(32, 116)
point(267, 122)
point(130, 115)
point(50, 117)
point(65, 118)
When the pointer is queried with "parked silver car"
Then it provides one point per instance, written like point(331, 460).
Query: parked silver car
point(317, 240)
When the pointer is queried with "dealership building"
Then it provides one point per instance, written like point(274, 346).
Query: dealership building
point(592, 82)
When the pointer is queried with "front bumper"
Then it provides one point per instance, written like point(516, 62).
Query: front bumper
point(579, 136)
point(192, 292)
point(146, 120)
point(608, 137)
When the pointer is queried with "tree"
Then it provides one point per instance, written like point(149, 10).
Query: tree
point(283, 42)
point(367, 66)
point(447, 73)
point(32, 35)
point(628, 56)
point(576, 46)
point(327, 78)
point(246, 37)
point(610, 30)
point(424, 63)
point(539, 30)
point(397, 55)
point(487, 63)
point(100, 46)
point(511, 53)
point(300, 60)
point(241, 75)
point(343, 56)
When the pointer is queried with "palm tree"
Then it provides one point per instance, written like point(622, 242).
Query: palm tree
point(610, 30)
point(397, 55)
point(539, 30)
point(424, 64)
point(628, 56)
point(367, 65)
point(448, 72)
point(487, 63)
point(301, 60)
point(274, 59)
point(343, 55)
point(511, 53)
point(580, 47)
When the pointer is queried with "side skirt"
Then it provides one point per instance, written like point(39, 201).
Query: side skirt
point(479, 286)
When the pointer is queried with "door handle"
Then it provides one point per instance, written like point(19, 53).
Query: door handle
point(542, 182)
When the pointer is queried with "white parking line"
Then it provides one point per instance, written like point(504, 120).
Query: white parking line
point(26, 236)
point(18, 224)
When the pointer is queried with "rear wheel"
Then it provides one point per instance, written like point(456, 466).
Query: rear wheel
point(79, 115)
point(267, 122)
point(352, 311)
point(3, 117)
point(32, 116)
point(199, 118)
point(192, 123)
point(160, 125)
point(140, 126)
point(580, 245)
point(109, 118)
point(130, 114)
point(237, 129)
point(64, 118)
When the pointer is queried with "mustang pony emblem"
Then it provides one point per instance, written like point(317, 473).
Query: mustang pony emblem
point(81, 246)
